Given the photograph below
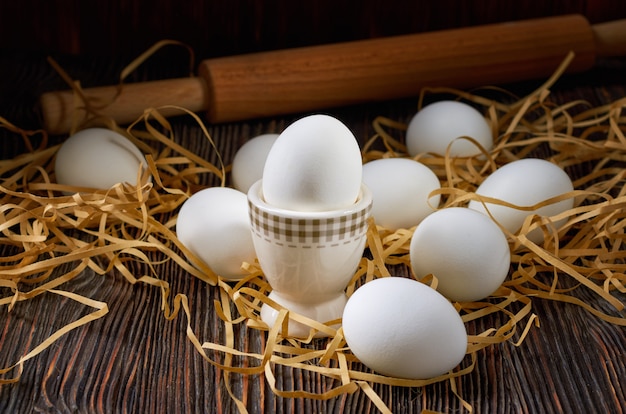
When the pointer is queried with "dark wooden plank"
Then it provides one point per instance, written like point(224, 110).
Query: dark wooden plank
point(119, 28)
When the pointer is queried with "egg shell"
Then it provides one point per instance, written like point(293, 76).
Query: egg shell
point(214, 224)
point(403, 328)
point(400, 189)
point(98, 158)
point(525, 183)
point(464, 249)
point(438, 124)
point(249, 161)
point(314, 165)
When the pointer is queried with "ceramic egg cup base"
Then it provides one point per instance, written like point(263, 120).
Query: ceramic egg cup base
point(327, 309)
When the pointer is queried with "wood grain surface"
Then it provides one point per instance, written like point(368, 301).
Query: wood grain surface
point(133, 360)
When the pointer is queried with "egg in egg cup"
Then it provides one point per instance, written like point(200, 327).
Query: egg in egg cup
point(308, 258)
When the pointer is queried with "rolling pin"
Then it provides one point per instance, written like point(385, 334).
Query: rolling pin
point(313, 78)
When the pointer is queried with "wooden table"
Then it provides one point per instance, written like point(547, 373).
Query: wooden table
point(134, 360)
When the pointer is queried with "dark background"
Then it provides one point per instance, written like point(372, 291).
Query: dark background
point(123, 29)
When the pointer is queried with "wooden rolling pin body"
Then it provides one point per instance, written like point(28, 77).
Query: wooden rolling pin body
point(318, 77)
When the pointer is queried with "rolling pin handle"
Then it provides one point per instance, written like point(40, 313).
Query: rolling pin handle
point(610, 38)
point(60, 109)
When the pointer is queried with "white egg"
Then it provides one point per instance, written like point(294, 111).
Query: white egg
point(438, 124)
point(314, 165)
point(403, 328)
point(98, 158)
point(525, 183)
point(464, 249)
point(249, 161)
point(214, 224)
point(400, 189)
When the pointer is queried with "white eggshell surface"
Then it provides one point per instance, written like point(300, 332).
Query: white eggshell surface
point(98, 158)
point(464, 249)
point(438, 124)
point(400, 189)
point(314, 165)
point(525, 183)
point(214, 224)
point(249, 161)
point(403, 328)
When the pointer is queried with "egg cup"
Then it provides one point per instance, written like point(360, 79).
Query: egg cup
point(308, 258)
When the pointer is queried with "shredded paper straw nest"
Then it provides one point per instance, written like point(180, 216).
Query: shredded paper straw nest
point(113, 230)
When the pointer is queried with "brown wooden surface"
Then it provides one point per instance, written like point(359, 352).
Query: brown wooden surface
point(134, 360)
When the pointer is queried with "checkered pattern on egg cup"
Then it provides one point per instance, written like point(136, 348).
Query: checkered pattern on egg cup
point(308, 256)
